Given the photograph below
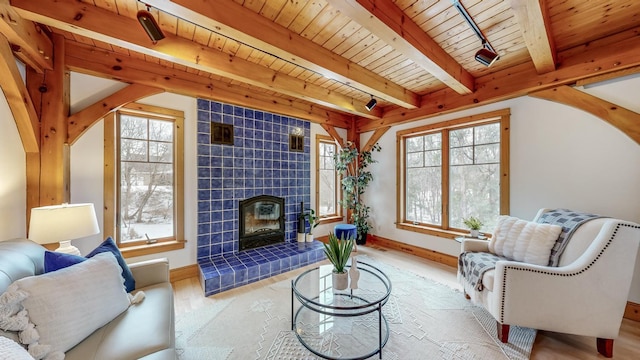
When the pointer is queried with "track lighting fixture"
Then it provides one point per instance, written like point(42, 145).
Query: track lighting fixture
point(371, 104)
point(150, 25)
point(487, 55)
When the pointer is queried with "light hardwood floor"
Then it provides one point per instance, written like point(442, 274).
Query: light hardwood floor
point(548, 345)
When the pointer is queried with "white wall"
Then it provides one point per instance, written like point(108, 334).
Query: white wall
point(602, 176)
point(13, 178)
point(560, 157)
point(87, 164)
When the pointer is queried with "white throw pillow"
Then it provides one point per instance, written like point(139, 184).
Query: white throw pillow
point(523, 240)
point(11, 350)
point(68, 305)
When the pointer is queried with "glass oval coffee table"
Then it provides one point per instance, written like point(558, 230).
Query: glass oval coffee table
point(341, 324)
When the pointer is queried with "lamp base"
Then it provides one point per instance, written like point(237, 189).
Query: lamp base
point(67, 248)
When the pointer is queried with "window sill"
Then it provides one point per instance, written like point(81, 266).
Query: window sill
point(331, 219)
point(147, 249)
point(448, 234)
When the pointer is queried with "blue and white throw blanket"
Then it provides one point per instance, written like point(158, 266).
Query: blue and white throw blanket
point(473, 265)
point(570, 221)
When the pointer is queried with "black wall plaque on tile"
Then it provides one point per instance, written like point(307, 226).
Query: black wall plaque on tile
point(221, 133)
point(296, 142)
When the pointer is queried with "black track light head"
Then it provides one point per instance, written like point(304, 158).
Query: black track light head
point(150, 26)
point(486, 57)
point(371, 104)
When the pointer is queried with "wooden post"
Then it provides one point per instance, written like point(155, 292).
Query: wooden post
point(48, 171)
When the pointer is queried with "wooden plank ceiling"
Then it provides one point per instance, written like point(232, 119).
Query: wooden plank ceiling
point(323, 59)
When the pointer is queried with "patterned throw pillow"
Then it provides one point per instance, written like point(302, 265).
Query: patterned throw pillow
point(11, 350)
point(55, 261)
point(62, 308)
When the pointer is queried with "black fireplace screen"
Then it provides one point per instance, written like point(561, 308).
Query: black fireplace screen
point(261, 221)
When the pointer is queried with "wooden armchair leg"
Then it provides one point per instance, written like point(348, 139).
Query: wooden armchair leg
point(605, 347)
point(503, 332)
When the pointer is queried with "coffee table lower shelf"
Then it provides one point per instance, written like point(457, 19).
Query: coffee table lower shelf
point(341, 336)
point(341, 324)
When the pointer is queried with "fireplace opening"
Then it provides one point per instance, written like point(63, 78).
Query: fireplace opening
point(261, 221)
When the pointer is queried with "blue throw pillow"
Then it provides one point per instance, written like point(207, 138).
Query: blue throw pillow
point(55, 261)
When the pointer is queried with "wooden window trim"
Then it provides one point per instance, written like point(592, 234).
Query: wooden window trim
point(337, 217)
point(111, 159)
point(502, 117)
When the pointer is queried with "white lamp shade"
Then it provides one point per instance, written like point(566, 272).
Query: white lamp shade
point(51, 224)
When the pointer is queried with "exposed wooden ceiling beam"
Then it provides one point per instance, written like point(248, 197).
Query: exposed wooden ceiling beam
point(386, 20)
point(377, 134)
point(608, 76)
point(334, 134)
point(533, 18)
point(624, 119)
point(231, 19)
point(103, 63)
point(24, 113)
point(104, 25)
point(577, 63)
point(30, 44)
point(81, 121)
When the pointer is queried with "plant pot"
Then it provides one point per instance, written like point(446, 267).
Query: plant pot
point(340, 281)
point(309, 237)
point(474, 233)
point(301, 237)
point(362, 238)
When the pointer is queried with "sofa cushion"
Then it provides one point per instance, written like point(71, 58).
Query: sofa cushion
point(523, 240)
point(54, 261)
point(144, 329)
point(68, 305)
point(11, 350)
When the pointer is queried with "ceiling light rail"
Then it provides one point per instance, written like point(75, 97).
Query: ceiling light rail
point(487, 55)
point(155, 33)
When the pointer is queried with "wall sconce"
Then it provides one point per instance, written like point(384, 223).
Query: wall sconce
point(371, 104)
point(296, 140)
point(150, 25)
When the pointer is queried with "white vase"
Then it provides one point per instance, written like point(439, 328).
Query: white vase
point(340, 281)
point(474, 233)
point(302, 237)
point(354, 273)
point(309, 237)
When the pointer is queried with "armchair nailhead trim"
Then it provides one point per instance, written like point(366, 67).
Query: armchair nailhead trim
point(504, 274)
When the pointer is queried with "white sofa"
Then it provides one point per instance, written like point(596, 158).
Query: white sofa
point(585, 295)
point(144, 331)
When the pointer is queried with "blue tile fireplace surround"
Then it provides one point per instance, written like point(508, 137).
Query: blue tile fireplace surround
point(258, 163)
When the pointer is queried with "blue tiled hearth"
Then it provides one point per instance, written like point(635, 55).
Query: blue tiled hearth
point(258, 163)
point(229, 271)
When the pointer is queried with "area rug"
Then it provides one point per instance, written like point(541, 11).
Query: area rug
point(427, 320)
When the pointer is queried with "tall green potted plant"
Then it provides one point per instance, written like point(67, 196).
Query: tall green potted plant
point(352, 165)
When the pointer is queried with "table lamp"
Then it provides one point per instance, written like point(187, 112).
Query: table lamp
point(63, 223)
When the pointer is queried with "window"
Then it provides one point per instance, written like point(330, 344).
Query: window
point(145, 191)
point(454, 170)
point(327, 180)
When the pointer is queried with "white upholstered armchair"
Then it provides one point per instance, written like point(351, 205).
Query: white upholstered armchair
point(585, 294)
